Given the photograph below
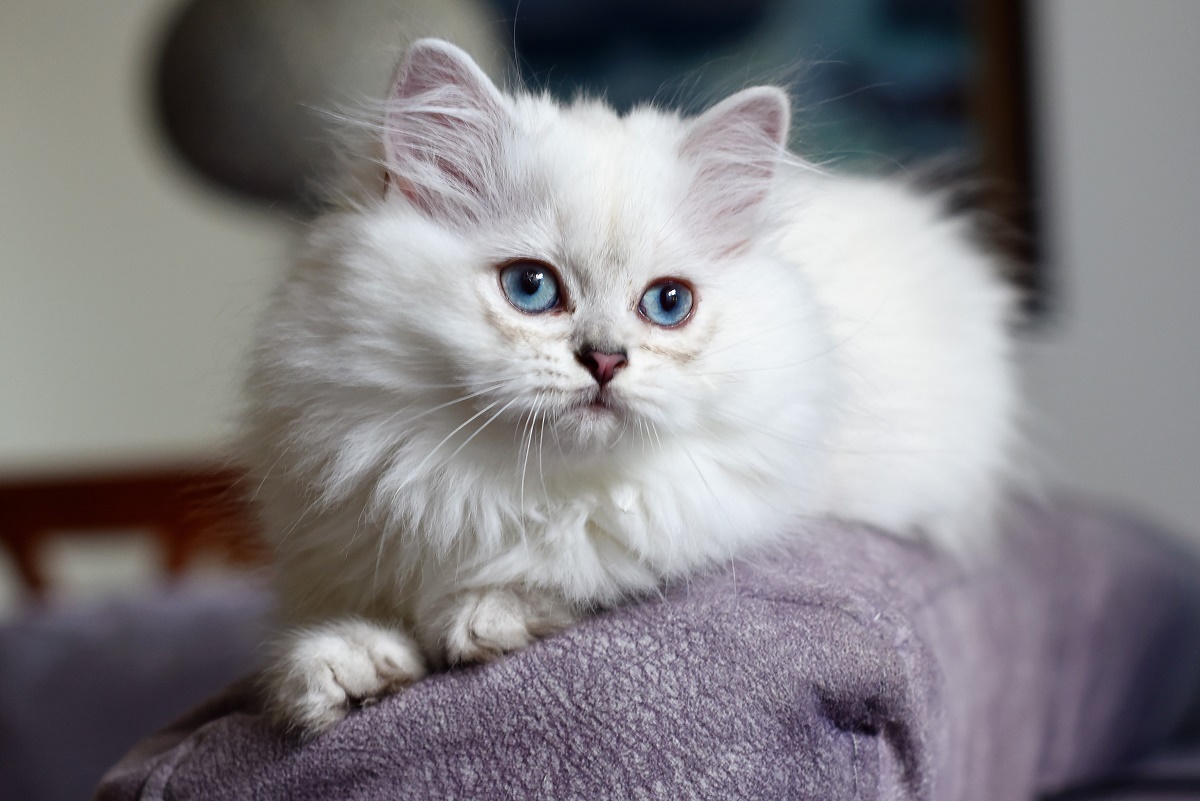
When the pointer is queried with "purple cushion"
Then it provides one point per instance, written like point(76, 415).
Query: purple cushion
point(846, 665)
point(80, 684)
point(1174, 775)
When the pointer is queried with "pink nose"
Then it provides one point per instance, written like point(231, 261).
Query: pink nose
point(603, 366)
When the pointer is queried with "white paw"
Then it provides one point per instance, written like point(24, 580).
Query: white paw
point(326, 671)
point(480, 625)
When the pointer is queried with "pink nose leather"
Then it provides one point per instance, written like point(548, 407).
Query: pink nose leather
point(603, 366)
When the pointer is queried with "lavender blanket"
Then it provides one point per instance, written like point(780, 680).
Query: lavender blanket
point(848, 666)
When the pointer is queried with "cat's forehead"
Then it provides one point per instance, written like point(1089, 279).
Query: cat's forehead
point(588, 147)
point(611, 182)
point(594, 126)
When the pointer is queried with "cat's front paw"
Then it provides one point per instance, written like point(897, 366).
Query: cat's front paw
point(480, 625)
point(324, 672)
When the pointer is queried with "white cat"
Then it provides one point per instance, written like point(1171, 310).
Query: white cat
point(549, 357)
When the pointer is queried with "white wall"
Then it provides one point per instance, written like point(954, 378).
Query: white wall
point(1117, 381)
point(126, 293)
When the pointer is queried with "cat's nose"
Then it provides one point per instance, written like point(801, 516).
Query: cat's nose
point(601, 364)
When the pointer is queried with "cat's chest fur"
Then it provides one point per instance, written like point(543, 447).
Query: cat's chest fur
point(657, 510)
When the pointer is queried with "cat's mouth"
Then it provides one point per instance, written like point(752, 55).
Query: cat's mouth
point(601, 402)
point(592, 421)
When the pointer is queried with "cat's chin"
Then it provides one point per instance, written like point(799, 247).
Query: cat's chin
point(592, 426)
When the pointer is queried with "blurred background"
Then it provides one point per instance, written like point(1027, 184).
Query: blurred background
point(155, 156)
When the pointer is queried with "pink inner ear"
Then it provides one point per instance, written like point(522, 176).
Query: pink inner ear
point(736, 147)
point(432, 65)
point(443, 133)
point(753, 120)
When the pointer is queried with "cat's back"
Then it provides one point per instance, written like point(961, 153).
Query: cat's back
point(918, 313)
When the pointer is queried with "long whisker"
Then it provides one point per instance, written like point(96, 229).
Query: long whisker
point(518, 445)
point(654, 428)
point(469, 396)
point(624, 428)
point(490, 387)
point(527, 443)
point(519, 430)
point(479, 430)
point(495, 382)
point(417, 470)
point(541, 470)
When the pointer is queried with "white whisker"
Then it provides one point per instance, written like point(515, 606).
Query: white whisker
point(416, 471)
point(541, 468)
point(527, 443)
point(479, 430)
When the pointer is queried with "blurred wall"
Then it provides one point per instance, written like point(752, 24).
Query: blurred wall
point(1115, 377)
point(126, 292)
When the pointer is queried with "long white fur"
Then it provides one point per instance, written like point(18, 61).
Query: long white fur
point(424, 459)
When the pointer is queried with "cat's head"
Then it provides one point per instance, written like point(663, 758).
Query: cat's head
point(603, 278)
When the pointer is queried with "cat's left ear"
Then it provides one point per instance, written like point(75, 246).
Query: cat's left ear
point(445, 128)
point(736, 147)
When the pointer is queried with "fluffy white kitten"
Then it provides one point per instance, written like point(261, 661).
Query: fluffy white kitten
point(550, 357)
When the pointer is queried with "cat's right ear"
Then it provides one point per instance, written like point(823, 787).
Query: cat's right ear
point(443, 133)
point(736, 147)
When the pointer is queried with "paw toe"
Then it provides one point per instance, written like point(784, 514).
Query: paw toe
point(327, 672)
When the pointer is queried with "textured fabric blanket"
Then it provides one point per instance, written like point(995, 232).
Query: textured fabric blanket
point(82, 682)
point(846, 665)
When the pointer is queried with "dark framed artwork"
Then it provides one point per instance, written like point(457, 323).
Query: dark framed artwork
point(1004, 113)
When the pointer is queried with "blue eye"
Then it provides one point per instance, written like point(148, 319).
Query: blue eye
point(530, 286)
point(667, 303)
